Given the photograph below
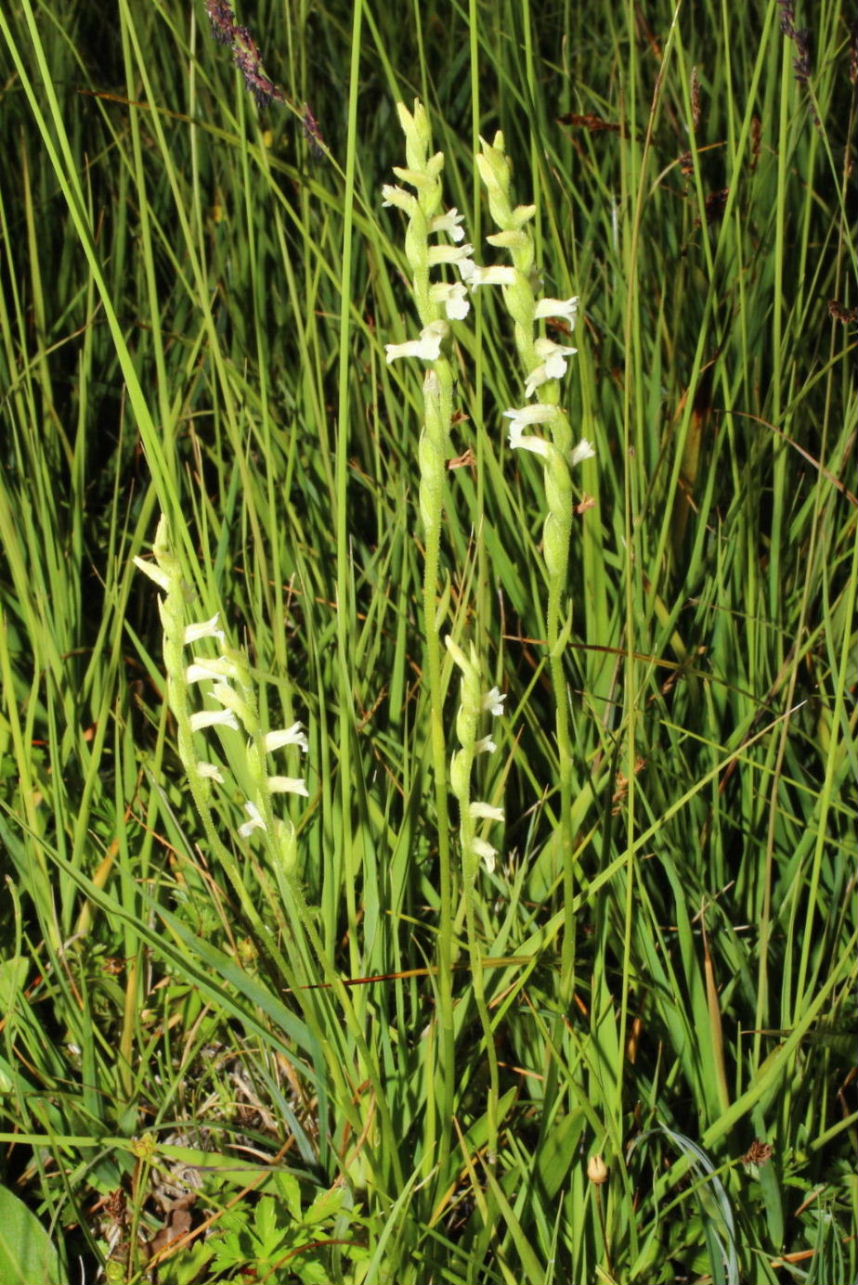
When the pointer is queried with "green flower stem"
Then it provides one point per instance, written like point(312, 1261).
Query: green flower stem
point(422, 172)
point(557, 533)
point(434, 451)
point(520, 301)
point(557, 631)
point(471, 707)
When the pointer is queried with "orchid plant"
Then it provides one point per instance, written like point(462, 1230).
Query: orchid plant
point(226, 702)
point(434, 244)
point(544, 361)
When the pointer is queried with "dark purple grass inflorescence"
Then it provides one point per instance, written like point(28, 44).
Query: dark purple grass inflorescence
point(313, 132)
point(245, 52)
point(248, 60)
point(247, 57)
point(222, 18)
point(803, 62)
point(803, 40)
point(787, 9)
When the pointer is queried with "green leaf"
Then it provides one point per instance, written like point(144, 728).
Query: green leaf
point(288, 1190)
point(532, 1271)
point(326, 1205)
point(313, 1272)
point(556, 1152)
point(27, 1255)
point(13, 979)
point(268, 1234)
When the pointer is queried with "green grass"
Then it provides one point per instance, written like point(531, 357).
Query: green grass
point(194, 312)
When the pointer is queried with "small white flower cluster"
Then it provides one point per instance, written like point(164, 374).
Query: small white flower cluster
point(540, 413)
point(231, 688)
point(438, 302)
point(545, 360)
point(474, 704)
point(227, 673)
point(427, 347)
point(552, 366)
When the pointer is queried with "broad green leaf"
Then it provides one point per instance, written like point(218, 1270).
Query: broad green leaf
point(27, 1255)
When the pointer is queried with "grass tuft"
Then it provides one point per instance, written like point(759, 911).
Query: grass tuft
point(589, 1014)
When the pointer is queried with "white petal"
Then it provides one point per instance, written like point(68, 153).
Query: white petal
point(427, 347)
point(439, 254)
point(285, 736)
point(555, 366)
point(494, 700)
point(485, 811)
point(393, 195)
point(411, 348)
point(205, 629)
point(496, 275)
point(548, 348)
point(211, 772)
point(486, 853)
point(154, 572)
point(485, 745)
point(255, 822)
point(520, 441)
point(454, 298)
point(449, 223)
point(213, 718)
point(199, 670)
point(583, 451)
point(538, 376)
point(536, 413)
point(211, 667)
point(287, 785)
point(565, 309)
